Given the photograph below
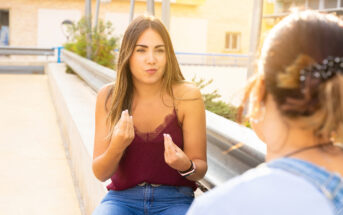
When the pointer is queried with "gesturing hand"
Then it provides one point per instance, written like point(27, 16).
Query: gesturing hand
point(174, 156)
point(123, 130)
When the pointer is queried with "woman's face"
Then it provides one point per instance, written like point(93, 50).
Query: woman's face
point(148, 60)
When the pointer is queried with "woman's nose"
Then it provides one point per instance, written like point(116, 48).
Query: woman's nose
point(151, 59)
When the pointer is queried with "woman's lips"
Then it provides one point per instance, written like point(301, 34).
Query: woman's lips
point(151, 71)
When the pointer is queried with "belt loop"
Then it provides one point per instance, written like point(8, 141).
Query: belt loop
point(145, 183)
point(142, 184)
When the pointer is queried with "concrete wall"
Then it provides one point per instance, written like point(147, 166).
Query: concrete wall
point(75, 104)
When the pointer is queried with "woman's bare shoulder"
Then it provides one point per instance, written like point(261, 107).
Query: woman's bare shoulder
point(104, 94)
point(105, 90)
point(186, 90)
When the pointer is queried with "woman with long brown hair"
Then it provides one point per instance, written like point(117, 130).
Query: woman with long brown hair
point(150, 132)
point(296, 108)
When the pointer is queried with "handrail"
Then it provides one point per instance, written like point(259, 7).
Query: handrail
point(212, 59)
point(232, 148)
point(94, 74)
point(213, 54)
point(10, 50)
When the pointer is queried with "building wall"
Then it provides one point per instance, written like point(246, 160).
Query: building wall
point(196, 25)
point(227, 16)
point(23, 18)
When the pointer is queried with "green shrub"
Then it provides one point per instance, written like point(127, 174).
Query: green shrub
point(103, 43)
point(213, 104)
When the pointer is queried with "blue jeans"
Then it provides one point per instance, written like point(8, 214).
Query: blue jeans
point(147, 200)
point(328, 183)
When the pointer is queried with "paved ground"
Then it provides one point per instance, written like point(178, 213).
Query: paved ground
point(34, 174)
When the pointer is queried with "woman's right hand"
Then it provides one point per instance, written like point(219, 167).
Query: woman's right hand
point(123, 132)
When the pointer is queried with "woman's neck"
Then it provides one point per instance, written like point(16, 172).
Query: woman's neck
point(327, 156)
point(290, 141)
point(147, 91)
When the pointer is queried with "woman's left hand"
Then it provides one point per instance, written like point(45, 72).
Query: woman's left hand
point(174, 156)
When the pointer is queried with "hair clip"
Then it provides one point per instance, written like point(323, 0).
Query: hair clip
point(329, 68)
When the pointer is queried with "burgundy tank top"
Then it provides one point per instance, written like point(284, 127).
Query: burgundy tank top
point(143, 160)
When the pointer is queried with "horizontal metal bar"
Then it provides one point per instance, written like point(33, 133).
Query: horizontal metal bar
point(95, 75)
point(5, 50)
point(213, 54)
point(21, 69)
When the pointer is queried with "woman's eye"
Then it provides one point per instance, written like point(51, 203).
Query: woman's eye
point(140, 50)
point(160, 50)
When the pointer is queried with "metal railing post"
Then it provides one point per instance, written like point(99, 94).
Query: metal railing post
point(59, 54)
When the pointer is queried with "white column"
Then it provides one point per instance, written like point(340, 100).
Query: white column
point(321, 4)
point(255, 33)
point(88, 15)
point(166, 13)
point(151, 7)
point(132, 10)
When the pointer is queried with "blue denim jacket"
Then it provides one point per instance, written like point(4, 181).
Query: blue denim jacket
point(328, 183)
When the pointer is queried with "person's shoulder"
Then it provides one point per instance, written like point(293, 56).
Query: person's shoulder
point(186, 90)
point(104, 93)
point(263, 191)
point(104, 90)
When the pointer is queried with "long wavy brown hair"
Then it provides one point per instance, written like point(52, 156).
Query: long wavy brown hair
point(121, 93)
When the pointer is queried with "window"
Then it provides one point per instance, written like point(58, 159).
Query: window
point(4, 28)
point(233, 41)
point(313, 4)
point(287, 5)
point(330, 3)
point(299, 3)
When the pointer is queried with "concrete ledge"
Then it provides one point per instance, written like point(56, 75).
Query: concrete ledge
point(75, 105)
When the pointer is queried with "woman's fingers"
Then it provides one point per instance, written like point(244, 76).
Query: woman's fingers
point(170, 148)
point(127, 121)
point(166, 146)
point(124, 127)
point(173, 155)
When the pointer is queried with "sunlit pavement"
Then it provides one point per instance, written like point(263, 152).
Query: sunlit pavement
point(34, 174)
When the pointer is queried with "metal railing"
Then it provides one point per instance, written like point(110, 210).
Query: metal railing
point(92, 73)
point(7, 50)
point(232, 148)
point(212, 59)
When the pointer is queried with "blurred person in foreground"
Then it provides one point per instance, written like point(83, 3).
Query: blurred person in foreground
point(296, 108)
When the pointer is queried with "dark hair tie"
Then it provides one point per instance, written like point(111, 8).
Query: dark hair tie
point(310, 78)
point(329, 67)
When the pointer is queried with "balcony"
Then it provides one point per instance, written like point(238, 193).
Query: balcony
point(283, 8)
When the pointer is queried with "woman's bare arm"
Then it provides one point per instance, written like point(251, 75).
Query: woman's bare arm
point(192, 109)
point(108, 152)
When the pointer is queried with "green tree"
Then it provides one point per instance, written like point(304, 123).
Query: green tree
point(103, 43)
